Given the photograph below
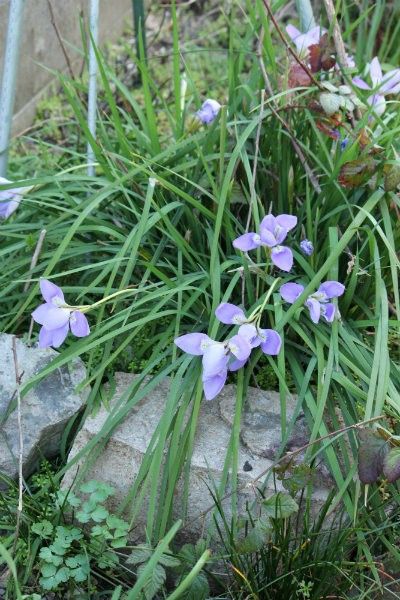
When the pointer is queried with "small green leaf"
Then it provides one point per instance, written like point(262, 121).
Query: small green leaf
point(47, 555)
point(48, 570)
point(169, 561)
point(280, 506)
point(119, 542)
point(43, 528)
point(154, 582)
point(48, 583)
point(99, 514)
point(62, 575)
point(139, 555)
point(391, 465)
point(59, 547)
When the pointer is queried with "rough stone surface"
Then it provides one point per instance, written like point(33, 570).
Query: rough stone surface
point(45, 409)
point(119, 461)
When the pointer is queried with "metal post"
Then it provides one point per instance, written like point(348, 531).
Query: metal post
point(92, 96)
point(306, 15)
point(8, 84)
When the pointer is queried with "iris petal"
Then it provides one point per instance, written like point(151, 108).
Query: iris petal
point(192, 343)
point(50, 290)
point(282, 257)
point(230, 314)
point(79, 324)
point(213, 385)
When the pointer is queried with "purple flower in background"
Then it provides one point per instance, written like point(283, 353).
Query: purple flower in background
point(381, 85)
point(318, 303)
point(306, 247)
point(10, 199)
point(304, 40)
point(273, 231)
point(57, 318)
point(344, 143)
point(217, 357)
point(209, 111)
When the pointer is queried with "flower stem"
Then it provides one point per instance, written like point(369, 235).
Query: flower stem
point(86, 307)
point(256, 314)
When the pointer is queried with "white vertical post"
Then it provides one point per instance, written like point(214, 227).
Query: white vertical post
point(306, 15)
point(8, 84)
point(92, 96)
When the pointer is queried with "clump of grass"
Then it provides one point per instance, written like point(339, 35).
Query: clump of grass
point(175, 246)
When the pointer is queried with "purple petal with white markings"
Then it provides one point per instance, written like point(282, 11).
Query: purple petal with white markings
point(236, 364)
point(213, 385)
point(230, 314)
point(240, 347)
point(272, 343)
point(390, 82)
point(315, 309)
point(328, 312)
point(79, 324)
point(50, 290)
point(247, 241)
point(268, 224)
point(45, 338)
point(291, 291)
point(215, 359)
point(287, 221)
point(375, 71)
point(50, 316)
point(249, 332)
point(360, 83)
point(282, 257)
point(193, 343)
point(332, 289)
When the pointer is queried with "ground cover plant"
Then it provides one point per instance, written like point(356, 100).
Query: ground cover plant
point(249, 212)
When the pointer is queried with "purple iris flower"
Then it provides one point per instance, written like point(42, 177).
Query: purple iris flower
point(273, 231)
point(268, 339)
point(10, 199)
point(381, 85)
point(318, 303)
point(217, 357)
point(306, 247)
point(57, 317)
point(209, 111)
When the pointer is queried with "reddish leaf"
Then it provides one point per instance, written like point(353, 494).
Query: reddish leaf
point(371, 455)
point(357, 173)
point(298, 77)
point(321, 55)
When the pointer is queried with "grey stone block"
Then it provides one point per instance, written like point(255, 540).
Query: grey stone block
point(45, 409)
point(119, 461)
